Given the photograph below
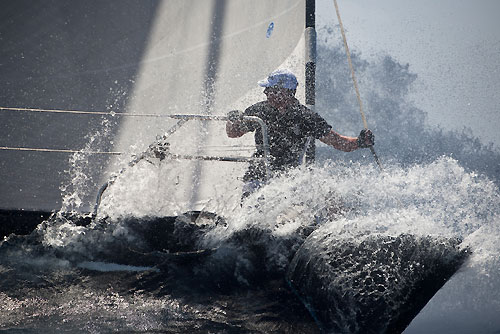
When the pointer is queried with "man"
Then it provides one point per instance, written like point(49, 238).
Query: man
point(290, 125)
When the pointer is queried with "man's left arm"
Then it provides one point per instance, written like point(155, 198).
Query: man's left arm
point(348, 144)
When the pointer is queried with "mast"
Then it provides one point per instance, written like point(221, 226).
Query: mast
point(310, 67)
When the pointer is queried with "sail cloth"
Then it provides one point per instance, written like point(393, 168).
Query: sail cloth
point(63, 55)
point(204, 57)
point(161, 57)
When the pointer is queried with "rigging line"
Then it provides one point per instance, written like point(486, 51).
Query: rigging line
point(106, 113)
point(6, 148)
point(171, 156)
point(355, 82)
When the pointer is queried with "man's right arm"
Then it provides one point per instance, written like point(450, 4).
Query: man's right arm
point(234, 129)
point(236, 126)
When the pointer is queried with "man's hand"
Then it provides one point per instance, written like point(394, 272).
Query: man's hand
point(236, 125)
point(235, 116)
point(366, 139)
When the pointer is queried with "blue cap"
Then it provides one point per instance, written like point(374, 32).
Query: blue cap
point(282, 78)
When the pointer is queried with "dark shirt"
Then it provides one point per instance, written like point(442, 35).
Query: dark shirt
point(287, 134)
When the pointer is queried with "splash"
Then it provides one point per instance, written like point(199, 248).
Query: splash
point(78, 191)
point(82, 166)
point(439, 198)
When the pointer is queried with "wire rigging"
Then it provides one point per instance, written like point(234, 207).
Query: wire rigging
point(102, 113)
point(59, 111)
point(29, 149)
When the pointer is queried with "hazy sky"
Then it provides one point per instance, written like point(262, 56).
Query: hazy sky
point(452, 45)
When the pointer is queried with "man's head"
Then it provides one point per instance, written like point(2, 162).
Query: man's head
point(280, 87)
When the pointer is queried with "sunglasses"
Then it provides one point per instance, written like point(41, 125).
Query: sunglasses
point(275, 90)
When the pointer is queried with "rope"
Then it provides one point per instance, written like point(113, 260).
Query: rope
point(6, 148)
point(355, 82)
point(350, 66)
